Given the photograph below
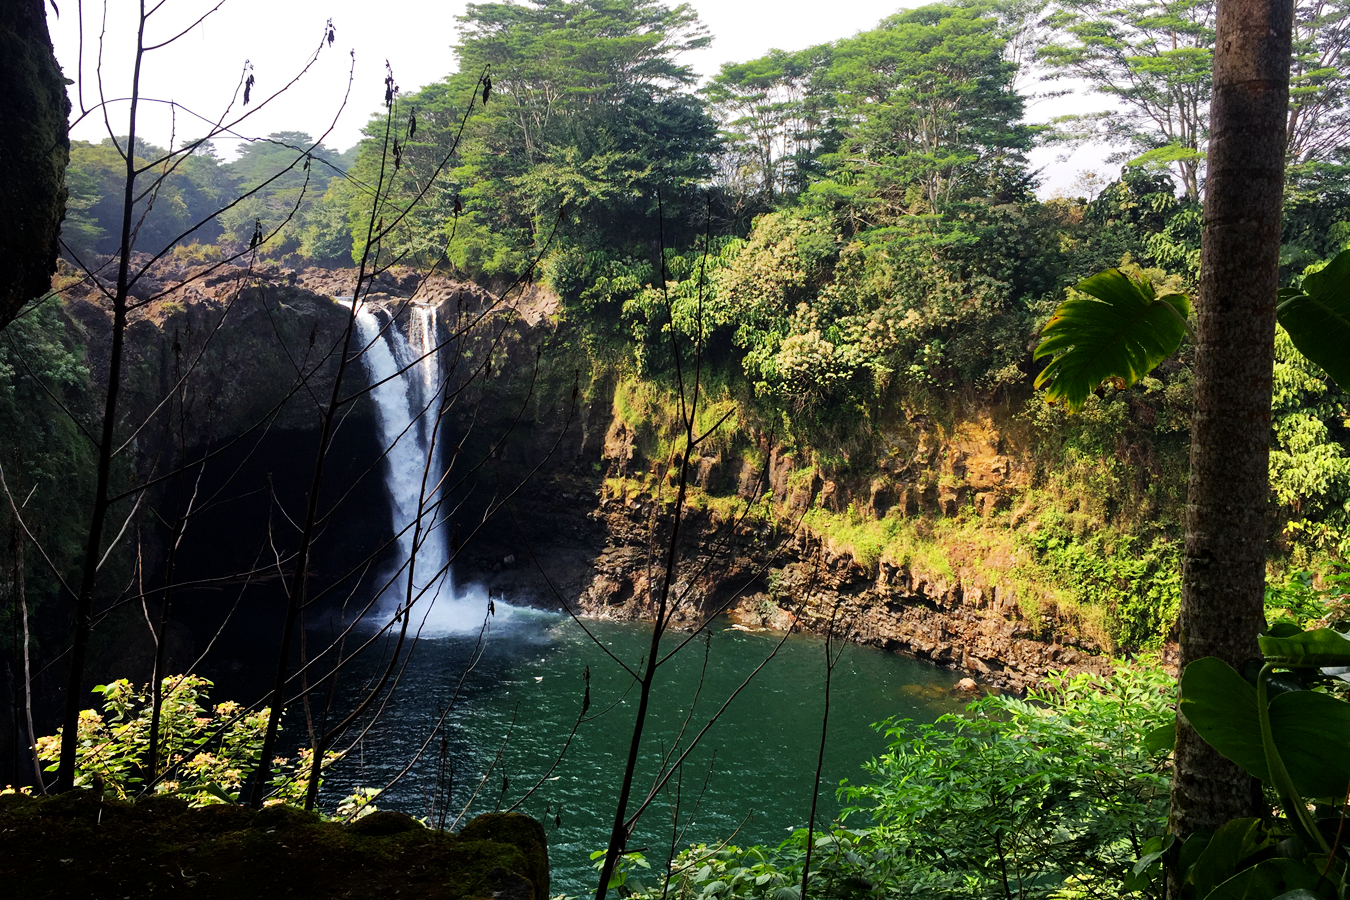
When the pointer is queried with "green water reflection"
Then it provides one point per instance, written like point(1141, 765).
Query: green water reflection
point(750, 774)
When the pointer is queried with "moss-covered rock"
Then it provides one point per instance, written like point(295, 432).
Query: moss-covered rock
point(34, 150)
point(522, 831)
point(383, 823)
point(78, 845)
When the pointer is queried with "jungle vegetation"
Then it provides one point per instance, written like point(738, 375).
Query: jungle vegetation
point(852, 232)
point(859, 222)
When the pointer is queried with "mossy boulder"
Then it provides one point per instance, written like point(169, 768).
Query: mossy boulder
point(384, 822)
point(34, 150)
point(78, 845)
point(521, 831)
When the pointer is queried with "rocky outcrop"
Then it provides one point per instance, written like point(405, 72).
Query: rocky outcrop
point(955, 622)
point(34, 150)
point(79, 845)
point(765, 578)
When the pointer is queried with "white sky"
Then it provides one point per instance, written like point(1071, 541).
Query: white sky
point(201, 70)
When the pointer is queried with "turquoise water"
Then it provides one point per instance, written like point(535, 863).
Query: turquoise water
point(750, 774)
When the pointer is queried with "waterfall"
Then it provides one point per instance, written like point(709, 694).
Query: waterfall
point(405, 373)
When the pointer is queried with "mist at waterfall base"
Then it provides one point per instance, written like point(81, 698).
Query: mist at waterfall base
point(508, 687)
point(405, 376)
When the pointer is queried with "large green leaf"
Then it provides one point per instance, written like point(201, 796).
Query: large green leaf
point(1163, 738)
point(1318, 318)
point(1312, 730)
point(1272, 878)
point(1313, 649)
point(1115, 327)
point(1221, 707)
point(1231, 845)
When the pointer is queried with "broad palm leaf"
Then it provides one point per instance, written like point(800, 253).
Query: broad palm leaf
point(1114, 326)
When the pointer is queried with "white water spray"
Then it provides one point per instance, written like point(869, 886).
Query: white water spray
point(406, 376)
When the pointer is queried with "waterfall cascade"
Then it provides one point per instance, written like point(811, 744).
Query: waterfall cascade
point(406, 379)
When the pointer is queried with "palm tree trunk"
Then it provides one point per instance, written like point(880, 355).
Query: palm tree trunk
point(1227, 522)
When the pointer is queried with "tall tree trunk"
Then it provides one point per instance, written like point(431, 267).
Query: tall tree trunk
point(1226, 522)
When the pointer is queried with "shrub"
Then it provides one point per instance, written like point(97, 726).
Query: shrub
point(1026, 797)
point(204, 751)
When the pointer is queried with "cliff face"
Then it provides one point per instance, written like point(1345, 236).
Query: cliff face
point(587, 491)
point(223, 376)
point(773, 576)
point(246, 346)
point(34, 150)
point(559, 482)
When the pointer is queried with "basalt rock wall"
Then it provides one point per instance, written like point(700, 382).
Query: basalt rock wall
point(536, 441)
point(768, 577)
point(34, 149)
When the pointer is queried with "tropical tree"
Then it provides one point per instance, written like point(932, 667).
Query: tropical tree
point(1223, 575)
point(1319, 115)
point(186, 195)
point(771, 118)
point(1153, 57)
point(281, 191)
point(590, 116)
point(928, 109)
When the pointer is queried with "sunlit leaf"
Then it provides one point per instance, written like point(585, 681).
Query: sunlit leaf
point(1233, 843)
point(1273, 878)
point(1113, 327)
point(1317, 648)
point(1161, 739)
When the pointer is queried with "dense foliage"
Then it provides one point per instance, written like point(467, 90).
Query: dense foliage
point(45, 459)
point(207, 751)
point(852, 226)
point(1053, 796)
point(203, 200)
point(1285, 722)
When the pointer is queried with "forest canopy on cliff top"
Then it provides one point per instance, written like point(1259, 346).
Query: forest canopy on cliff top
point(852, 228)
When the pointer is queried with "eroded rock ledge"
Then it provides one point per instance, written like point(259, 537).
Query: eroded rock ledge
point(768, 579)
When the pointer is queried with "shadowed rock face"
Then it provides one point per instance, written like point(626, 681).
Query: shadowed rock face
point(34, 150)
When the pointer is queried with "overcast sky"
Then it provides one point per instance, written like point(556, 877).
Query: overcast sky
point(201, 70)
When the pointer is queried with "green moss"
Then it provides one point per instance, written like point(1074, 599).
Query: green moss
point(522, 832)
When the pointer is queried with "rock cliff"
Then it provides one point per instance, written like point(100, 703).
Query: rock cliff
point(34, 149)
point(562, 486)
